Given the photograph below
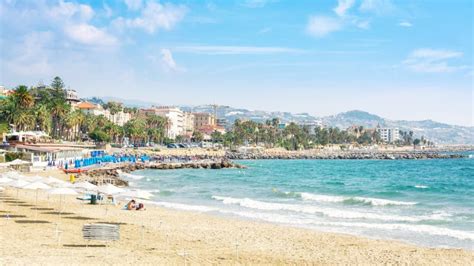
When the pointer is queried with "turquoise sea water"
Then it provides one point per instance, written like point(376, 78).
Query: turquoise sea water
point(425, 202)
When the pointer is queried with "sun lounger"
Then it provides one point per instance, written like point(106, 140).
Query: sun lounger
point(101, 232)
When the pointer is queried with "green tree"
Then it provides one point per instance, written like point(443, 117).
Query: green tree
point(197, 136)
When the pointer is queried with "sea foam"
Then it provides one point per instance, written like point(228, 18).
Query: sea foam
point(329, 212)
point(364, 200)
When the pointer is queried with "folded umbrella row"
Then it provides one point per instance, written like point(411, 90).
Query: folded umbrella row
point(56, 186)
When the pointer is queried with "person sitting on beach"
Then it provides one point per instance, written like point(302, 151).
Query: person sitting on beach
point(131, 205)
point(141, 207)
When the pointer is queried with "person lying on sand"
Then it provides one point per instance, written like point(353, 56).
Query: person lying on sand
point(131, 205)
point(141, 207)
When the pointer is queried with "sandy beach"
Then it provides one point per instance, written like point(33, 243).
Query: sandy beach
point(164, 236)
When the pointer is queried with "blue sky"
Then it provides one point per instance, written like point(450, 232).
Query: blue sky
point(398, 59)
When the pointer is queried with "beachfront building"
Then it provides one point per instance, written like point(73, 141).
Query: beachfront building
point(71, 96)
point(202, 120)
point(311, 125)
point(90, 108)
point(175, 116)
point(119, 118)
point(188, 124)
point(42, 155)
point(4, 92)
point(388, 135)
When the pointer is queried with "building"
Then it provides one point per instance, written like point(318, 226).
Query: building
point(175, 117)
point(90, 108)
point(119, 118)
point(311, 125)
point(388, 135)
point(202, 120)
point(4, 92)
point(71, 96)
point(188, 123)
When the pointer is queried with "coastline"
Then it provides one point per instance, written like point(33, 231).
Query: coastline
point(167, 236)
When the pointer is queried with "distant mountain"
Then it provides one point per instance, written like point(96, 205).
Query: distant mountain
point(438, 132)
point(130, 102)
point(435, 131)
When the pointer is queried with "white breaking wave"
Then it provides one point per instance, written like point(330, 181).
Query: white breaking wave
point(428, 229)
point(329, 212)
point(185, 207)
point(131, 176)
point(371, 201)
point(421, 186)
point(424, 229)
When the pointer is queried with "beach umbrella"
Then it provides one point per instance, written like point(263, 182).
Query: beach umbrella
point(54, 182)
point(140, 194)
point(61, 191)
point(5, 180)
point(85, 185)
point(17, 183)
point(110, 189)
point(32, 178)
point(36, 186)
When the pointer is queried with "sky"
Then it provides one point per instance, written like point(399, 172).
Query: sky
point(407, 59)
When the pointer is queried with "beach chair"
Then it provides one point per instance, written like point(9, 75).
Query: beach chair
point(101, 232)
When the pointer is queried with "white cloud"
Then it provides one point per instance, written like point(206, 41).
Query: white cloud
point(69, 10)
point(167, 61)
point(405, 24)
point(89, 35)
point(155, 16)
point(233, 50)
point(378, 7)
point(432, 61)
point(343, 6)
point(265, 30)
point(134, 4)
point(320, 26)
point(29, 57)
point(255, 3)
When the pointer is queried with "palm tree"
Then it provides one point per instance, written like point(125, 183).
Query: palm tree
point(24, 120)
point(43, 118)
point(59, 109)
point(22, 97)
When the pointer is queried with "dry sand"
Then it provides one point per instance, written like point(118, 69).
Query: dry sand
point(161, 236)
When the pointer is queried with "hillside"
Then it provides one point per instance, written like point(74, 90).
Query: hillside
point(438, 132)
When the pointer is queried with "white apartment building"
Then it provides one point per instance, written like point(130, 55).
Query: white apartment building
point(119, 118)
point(176, 120)
point(389, 135)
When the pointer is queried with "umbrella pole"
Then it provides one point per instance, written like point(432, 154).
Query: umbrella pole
point(36, 205)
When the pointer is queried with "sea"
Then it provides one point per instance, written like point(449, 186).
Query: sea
point(422, 202)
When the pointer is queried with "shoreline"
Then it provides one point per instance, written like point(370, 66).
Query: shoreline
point(207, 238)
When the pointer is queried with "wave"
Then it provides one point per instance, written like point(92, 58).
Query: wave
point(130, 176)
point(353, 200)
point(185, 207)
point(329, 212)
point(428, 229)
point(421, 186)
